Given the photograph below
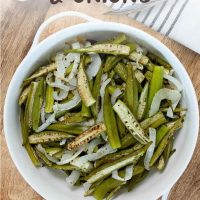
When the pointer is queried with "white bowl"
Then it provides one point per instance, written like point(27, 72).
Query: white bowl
point(51, 184)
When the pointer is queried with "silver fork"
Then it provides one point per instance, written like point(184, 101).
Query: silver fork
point(135, 7)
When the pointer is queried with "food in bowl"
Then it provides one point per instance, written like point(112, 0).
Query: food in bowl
point(103, 112)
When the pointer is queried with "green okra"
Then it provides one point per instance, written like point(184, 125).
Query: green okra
point(127, 141)
point(48, 136)
point(158, 60)
point(40, 72)
point(154, 121)
point(49, 99)
point(24, 128)
point(155, 85)
point(83, 85)
point(32, 154)
point(37, 104)
point(121, 70)
point(73, 118)
point(110, 122)
point(111, 61)
point(114, 49)
point(165, 141)
point(137, 57)
point(68, 128)
point(29, 106)
point(143, 102)
point(107, 168)
point(131, 92)
point(130, 122)
point(66, 167)
point(24, 95)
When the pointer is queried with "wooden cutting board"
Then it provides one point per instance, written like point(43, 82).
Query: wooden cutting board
point(19, 22)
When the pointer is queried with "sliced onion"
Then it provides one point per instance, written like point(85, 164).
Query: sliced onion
point(173, 95)
point(140, 49)
point(62, 95)
point(93, 144)
point(104, 136)
point(150, 150)
point(51, 119)
point(115, 95)
point(128, 174)
point(71, 104)
point(90, 122)
point(62, 142)
point(42, 150)
point(86, 186)
point(82, 163)
point(87, 44)
point(105, 150)
point(94, 66)
point(73, 82)
point(174, 82)
point(68, 156)
point(73, 177)
point(60, 65)
point(76, 45)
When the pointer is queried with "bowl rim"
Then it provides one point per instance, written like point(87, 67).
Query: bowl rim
point(95, 27)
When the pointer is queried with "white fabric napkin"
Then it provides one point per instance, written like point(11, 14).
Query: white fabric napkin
point(178, 19)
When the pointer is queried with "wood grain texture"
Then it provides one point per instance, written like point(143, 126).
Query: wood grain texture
point(19, 22)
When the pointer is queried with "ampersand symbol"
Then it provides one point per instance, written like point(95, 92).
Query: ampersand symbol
point(56, 1)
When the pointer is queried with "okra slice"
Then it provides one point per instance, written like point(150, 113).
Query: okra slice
point(32, 154)
point(49, 99)
point(127, 141)
point(87, 136)
point(142, 102)
point(73, 118)
point(131, 92)
point(24, 95)
point(67, 128)
point(29, 105)
point(48, 136)
point(111, 61)
point(114, 49)
point(106, 169)
point(83, 85)
point(165, 141)
point(110, 122)
point(37, 104)
point(154, 121)
point(65, 167)
point(121, 70)
point(110, 183)
point(158, 60)
point(155, 85)
point(41, 72)
point(24, 128)
point(130, 122)
point(137, 57)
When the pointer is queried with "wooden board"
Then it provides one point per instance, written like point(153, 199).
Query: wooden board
point(19, 22)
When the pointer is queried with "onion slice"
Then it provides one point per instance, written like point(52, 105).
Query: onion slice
point(150, 150)
point(93, 144)
point(94, 66)
point(115, 95)
point(71, 104)
point(173, 95)
point(68, 156)
point(174, 82)
point(73, 177)
point(128, 174)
